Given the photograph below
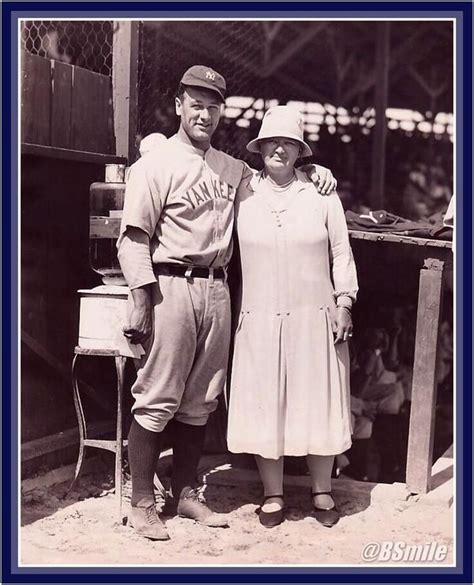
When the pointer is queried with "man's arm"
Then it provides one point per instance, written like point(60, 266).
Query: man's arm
point(135, 261)
point(142, 208)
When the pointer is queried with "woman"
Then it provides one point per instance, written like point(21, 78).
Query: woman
point(290, 374)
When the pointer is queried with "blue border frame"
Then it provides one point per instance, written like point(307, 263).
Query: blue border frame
point(11, 11)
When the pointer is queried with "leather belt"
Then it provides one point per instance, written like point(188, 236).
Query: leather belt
point(189, 271)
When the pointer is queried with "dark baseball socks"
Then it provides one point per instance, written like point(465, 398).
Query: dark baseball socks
point(188, 444)
point(144, 448)
point(143, 451)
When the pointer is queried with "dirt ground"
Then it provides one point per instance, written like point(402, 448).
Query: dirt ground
point(82, 528)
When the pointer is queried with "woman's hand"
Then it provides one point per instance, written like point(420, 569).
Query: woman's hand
point(343, 325)
point(322, 177)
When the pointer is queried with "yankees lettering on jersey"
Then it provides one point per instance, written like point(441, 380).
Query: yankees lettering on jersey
point(183, 198)
point(209, 190)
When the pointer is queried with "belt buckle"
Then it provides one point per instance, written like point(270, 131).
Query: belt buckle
point(211, 275)
point(189, 272)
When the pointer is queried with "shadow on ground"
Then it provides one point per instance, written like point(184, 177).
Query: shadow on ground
point(224, 494)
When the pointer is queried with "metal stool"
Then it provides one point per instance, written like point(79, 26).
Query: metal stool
point(116, 445)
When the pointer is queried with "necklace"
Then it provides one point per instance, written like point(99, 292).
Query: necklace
point(280, 187)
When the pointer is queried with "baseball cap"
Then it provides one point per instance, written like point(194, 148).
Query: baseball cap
point(202, 76)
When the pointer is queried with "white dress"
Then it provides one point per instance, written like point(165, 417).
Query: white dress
point(290, 384)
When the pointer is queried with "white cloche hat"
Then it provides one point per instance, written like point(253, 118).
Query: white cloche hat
point(284, 121)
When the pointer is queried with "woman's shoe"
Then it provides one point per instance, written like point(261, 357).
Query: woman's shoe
point(326, 517)
point(271, 519)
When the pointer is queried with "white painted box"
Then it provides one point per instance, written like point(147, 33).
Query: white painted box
point(103, 314)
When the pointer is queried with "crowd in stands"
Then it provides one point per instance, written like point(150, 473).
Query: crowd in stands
point(381, 377)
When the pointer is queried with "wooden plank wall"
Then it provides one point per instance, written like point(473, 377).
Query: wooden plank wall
point(65, 106)
point(90, 108)
point(36, 99)
point(61, 104)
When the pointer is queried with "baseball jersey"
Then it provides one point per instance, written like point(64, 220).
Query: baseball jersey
point(182, 198)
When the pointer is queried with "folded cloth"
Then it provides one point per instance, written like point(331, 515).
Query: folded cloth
point(449, 215)
point(382, 221)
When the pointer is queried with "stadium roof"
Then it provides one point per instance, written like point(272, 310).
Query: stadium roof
point(324, 61)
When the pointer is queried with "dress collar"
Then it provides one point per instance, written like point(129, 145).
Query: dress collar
point(258, 177)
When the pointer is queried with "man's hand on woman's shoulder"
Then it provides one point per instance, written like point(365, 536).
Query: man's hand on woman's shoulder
point(321, 176)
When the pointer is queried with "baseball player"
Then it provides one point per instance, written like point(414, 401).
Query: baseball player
point(174, 246)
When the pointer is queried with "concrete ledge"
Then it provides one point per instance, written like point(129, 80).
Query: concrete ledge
point(442, 491)
point(216, 470)
point(59, 475)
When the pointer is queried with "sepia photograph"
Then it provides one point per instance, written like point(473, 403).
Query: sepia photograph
point(238, 292)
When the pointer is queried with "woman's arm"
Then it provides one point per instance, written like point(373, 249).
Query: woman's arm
point(343, 268)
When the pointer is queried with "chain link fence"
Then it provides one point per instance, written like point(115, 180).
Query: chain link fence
point(169, 48)
point(240, 51)
point(86, 44)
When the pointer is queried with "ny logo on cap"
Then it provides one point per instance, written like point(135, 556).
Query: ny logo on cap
point(210, 75)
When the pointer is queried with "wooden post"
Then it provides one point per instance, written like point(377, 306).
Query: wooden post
point(423, 403)
point(120, 362)
point(382, 65)
point(125, 87)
